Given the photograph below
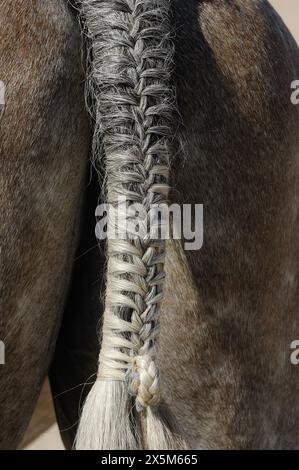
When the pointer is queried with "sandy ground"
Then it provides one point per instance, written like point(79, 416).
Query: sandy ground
point(49, 440)
point(289, 11)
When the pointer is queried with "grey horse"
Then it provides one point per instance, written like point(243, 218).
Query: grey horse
point(229, 312)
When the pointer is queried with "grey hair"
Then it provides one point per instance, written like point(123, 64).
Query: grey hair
point(132, 59)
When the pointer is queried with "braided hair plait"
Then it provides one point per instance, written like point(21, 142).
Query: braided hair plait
point(131, 63)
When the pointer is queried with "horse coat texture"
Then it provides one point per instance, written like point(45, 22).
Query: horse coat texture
point(229, 312)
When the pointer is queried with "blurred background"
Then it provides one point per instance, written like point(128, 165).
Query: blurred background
point(42, 433)
point(289, 11)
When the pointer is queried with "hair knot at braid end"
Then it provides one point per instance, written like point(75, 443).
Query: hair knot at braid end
point(144, 382)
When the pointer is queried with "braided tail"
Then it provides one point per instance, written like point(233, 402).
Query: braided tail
point(131, 63)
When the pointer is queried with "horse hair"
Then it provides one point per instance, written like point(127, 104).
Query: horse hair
point(131, 62)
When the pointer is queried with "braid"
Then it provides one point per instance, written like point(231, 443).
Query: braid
point(130, 76)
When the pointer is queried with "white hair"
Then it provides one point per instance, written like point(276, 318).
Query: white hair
point(131, 61)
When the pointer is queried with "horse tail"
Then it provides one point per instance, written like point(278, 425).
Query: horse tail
point(131, 62)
